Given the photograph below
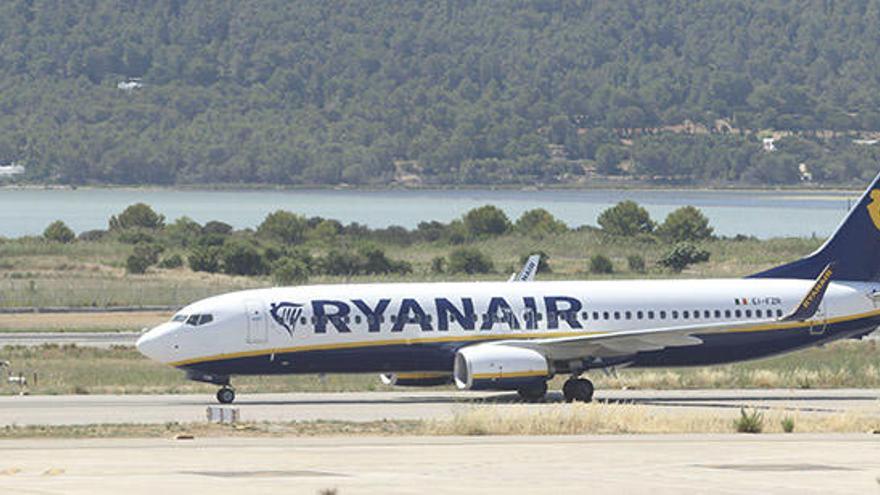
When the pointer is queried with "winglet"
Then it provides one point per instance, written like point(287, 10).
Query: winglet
point(527, 274)
point(810, 304)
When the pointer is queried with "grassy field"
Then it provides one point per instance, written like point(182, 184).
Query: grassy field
point(39, 274)
point(81, 322)
point(80, 370)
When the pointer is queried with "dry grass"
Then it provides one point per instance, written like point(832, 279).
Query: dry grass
point(599, 418)
point(80, 322)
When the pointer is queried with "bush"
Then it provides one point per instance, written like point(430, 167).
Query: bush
point(787, 424)
point(470, 261)
point(749, 422)
point(58, 231)
point(287, 271)
point(173, 261)
point(486, 221)
point(636, 263)
point(341, 263)
point(626, 218)
point(138, 215)
point(135, 236)
point(682, 255)
point(240, 257)
point(92, 235)
point(438, 265)
point(539, 223)
point(183, 232)
point(685, 224)
point(600, 263)
point(375, 262)
point(204, 259)
point(283, 226)
point(149, 251)
point(137, 264)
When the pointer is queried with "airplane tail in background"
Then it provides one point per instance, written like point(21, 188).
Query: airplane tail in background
point(854, 248)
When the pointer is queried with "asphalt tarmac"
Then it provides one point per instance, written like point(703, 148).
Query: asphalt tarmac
point(372, 406)
point(656, 464)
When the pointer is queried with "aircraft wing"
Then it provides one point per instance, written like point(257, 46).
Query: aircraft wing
point(613, 344)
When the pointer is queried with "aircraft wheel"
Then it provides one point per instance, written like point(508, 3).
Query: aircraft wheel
point(577, 390)
point(225, 395)
point(533, 393)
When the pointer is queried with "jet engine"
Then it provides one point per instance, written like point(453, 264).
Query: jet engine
point(415, 379)
point(499, 367)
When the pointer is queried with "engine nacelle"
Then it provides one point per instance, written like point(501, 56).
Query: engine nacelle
point(426, 379)
point(499, 367)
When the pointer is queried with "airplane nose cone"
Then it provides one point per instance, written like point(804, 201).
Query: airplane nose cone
point(154, 344)
point(146, 345)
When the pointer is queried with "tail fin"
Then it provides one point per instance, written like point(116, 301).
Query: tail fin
point(854, 248)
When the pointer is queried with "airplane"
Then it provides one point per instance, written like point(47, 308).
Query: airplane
point(517, 336)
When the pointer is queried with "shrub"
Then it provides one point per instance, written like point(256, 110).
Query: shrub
point(470, 261)
point(204, 259)
point(58, 231)
point(240, 257)
point(438, 265)
point(486, 221)
point(600, 263)
point(283, 226)
point(138, 215)
point(431, 231)
point(173, 261)
point(685, 224)
point(184, 231)
point(749, 422)
point(287, 271)
point(137, 264)
point(626, 218)
point(135, 236)
point(787, 424)
point(149, 251)
point(92, 235)
point(375, 262)
point(636, 263)
point(342, 263)
point(682, 255)
point(539, 223)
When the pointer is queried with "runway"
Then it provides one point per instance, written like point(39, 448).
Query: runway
point(659, 464)
point(87, 339)
point(405, 405)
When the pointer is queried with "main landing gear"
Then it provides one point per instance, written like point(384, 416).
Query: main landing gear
point(226, 395)
point(534, 392)
point(577, 390)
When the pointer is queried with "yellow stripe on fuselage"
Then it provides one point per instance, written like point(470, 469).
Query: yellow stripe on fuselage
point(506, 336)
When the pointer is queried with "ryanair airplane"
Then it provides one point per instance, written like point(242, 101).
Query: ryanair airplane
point(516, 335)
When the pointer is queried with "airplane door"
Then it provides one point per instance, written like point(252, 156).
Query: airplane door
point(256, 322)
point(819, 321)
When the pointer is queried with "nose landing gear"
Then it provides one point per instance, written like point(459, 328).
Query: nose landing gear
point(577, 389)
point(226, 395)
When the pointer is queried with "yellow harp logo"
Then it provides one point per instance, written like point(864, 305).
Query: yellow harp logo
point(874, 208)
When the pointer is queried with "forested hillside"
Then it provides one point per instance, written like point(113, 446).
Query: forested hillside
point(458, 92)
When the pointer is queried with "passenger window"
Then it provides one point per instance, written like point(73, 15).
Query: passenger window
point(738, 313)
point(650, 315)
point(605, 315)
point(684, 315)
point(707, 314)
point(639, 315)
point(663, 315)
point(314, 320)
point(585, 315)
point(778, 312)
point(629, 315)
point(758, 313)
point(595, 315)
point(357, 319)
point(717, 313)
point(748, 313)
point(540, 316)
point(727, 313)
point(675, 315)
point(302, 320)
point(617, 315)
point(393, 318)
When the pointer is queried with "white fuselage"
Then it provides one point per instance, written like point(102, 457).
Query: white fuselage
point(268, 323)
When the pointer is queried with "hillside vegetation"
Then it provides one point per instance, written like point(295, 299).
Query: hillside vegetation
point(456, 92)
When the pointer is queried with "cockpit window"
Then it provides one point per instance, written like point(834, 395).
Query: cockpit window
point(197, 320)
point(179, 318)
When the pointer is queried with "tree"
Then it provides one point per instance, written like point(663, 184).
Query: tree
point(287, 271)
point(241, 257)
point(58, 231)
point(283, 226)
point(626, 218)
point(685, 224)
point(539, 223)
point(682, 255)
point(136, 264)
point(184, 231)
point(470, 261)
point(204, 259)
point(486, 221)
point(138, 215)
